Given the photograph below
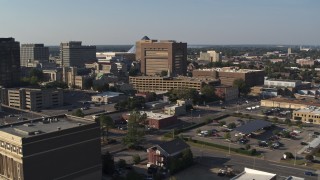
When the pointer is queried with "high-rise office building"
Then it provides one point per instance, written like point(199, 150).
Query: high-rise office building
point(157, 56)
point(74, 54)
point(50, 148)
point(33, 52)
point(9, 62)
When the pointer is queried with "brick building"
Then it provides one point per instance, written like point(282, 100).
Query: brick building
point(160, 154)
point(157, 120)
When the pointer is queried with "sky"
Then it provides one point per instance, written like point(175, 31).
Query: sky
point(122, 22)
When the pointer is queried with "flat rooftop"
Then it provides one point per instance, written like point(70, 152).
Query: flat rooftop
point(254, 174)
point(230, 70)
point(156, 116)
point(314, 110)
point(41, 126)
point(109, 94)
point(295, 101)
point(179, 78)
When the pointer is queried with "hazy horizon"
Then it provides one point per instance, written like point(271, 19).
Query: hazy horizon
point(205, 22)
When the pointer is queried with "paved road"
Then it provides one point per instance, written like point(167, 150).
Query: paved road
point(214, 158)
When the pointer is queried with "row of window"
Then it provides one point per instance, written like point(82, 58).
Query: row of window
point(304, 115)
point(10, 147)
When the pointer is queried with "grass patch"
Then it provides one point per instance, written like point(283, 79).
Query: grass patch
point(250, 152)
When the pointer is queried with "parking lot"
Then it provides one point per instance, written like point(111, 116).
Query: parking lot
point(270, 145)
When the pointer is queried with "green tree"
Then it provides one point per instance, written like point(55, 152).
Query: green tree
point(232, 125)
point(221, 123)
point(247, 146)
point(122, 163)
point(136, 159)
point(135, 133)
point(289, 155)
point(242, 86)
point(183, 93)
point(287, 121)
point(78, 113)
point(106, 122)
point(56, 84)
point(227, 135)
point(208, 93)
point(309, 157)
point(107, 163)
point(163, 73)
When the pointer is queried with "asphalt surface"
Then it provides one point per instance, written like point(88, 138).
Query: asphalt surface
point(212, 158)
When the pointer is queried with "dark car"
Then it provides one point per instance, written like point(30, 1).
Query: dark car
point(316, 133)
point(304, 143)
point(309, 173)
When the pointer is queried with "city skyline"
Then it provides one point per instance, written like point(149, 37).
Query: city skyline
point(289, 22)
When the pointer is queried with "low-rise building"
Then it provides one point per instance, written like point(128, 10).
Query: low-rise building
point(34, 99)
point(50, 148)
point(227, 93)
point(288, 103)
point(157, 120)
point(227, 75)
point(156, 83)
point(282, 83)
point(255, 174)
point(307, 115)
point(176, 110)
point(160, 154)
point(108, 97)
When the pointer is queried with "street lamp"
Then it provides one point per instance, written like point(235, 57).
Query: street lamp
point(295, 157)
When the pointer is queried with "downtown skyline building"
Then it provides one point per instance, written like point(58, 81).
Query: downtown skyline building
point(164, 55)
point(73, 53)
point(9, 62)
point(29, 53)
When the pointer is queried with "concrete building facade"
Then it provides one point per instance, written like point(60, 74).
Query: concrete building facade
point(34, 99)
point(211, 56)
point(227, 75)
point(157, 56)
point(154, 83)
point(307, 115)
point(9, 62)
point(73, 53)
point(50, 149)
point(33, 52)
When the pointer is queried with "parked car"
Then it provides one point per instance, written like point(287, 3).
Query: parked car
point(304, 143)
point(309, 173)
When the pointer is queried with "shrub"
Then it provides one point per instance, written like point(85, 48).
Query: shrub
point(136, 159)
point(289, 155)
point(122, 163)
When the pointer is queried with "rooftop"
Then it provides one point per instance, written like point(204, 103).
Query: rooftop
point(254, 174)
point(231, 70)
point(174, 146)
point(295, 101)
point(109, 94)
point(253, 126)
point(41, 126)
point(156, 116)
point(311, 109)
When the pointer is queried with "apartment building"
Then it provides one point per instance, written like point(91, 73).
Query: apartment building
point(155, 83)
point(34, 99)
point(157, 56)
point(51, 148)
